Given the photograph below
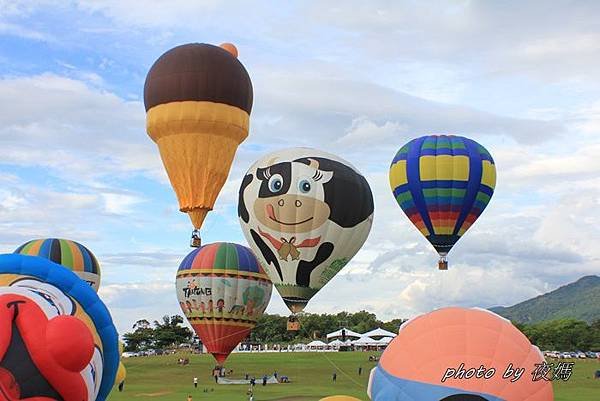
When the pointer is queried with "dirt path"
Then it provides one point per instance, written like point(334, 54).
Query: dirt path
point(153, 394)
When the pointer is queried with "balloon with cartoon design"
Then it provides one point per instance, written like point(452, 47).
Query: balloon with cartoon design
point(222, 290)
point(305, 213)
point(57, 338)
point(70, 254)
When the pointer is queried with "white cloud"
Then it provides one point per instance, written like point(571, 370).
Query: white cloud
point(357, 80)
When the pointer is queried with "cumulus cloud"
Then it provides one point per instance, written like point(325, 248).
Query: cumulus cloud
point(356, 80)
point(78, 131)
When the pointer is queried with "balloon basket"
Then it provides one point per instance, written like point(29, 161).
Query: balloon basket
point(293, 324)
point(443, 263)
point(195, 241)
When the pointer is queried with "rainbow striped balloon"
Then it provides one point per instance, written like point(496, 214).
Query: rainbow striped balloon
point(67, 253)
point(222, 290)
point(443, 183)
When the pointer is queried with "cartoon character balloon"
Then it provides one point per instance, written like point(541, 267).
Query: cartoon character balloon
point(443, 183)
point(222, 290)
point(58, 341)
point(198, 99)
point(305, 213)
point(435, 357)
point(67, 253)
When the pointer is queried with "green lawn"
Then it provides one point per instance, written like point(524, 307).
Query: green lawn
point(160, 378)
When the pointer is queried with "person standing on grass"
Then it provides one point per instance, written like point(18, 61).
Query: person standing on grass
point(334, 377)
point(359, 370)
point(189, 397)
point(195, 382)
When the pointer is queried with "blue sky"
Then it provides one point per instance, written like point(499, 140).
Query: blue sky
point(356, 79)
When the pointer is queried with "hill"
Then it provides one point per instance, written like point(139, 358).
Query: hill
point(578, 300)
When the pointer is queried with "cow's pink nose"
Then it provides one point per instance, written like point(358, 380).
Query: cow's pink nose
point(298, 203)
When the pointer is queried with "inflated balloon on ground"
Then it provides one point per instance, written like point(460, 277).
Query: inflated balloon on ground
point(67, 253)
point(436, 356)
point(58, 341)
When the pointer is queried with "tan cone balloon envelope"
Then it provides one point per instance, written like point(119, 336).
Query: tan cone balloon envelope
point(198, 99)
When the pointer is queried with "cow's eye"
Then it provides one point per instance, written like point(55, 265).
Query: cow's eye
point(275, 183)
point(304, 186)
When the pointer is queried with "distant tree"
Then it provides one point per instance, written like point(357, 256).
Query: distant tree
point(170, 332)
point(141, 338)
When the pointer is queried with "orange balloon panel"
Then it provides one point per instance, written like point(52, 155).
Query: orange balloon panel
point(457, 351)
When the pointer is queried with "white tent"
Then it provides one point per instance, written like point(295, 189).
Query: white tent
point(385, 340)
point(336, 343)
point(316, 344)
point(365, 341)
point(338, 334)
point(379, 332)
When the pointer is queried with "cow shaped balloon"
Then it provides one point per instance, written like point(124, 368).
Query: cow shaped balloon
point(305, 214)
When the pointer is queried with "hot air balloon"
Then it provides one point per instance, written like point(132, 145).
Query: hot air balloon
point(305, 213)
point(443, 183)
point(435, 358)
point(121, 370)
point(198, 99)
point(58, 341)
point(222, 290)
point(67, 253)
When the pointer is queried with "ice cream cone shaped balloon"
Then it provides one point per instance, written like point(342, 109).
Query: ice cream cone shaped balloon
point(198, 99)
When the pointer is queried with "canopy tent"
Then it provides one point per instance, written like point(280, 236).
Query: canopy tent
point(336, 343)
point(385, 340)
point(338, 333)
point(365, 341)
point(316, 343)
point(379, 332)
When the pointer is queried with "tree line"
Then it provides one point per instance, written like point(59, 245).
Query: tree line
point(559, 335)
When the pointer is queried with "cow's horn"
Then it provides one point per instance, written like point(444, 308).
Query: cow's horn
point(314, 164)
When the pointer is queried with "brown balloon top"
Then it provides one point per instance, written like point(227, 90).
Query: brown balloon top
point(201, 72)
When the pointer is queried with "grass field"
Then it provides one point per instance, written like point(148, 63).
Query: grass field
point(160, 378)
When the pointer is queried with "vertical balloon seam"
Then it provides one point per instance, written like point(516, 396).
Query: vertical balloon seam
point(414, 179)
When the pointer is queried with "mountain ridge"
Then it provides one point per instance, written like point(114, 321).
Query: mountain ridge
point(578, 300)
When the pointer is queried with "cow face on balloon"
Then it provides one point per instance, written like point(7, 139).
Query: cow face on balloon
point(305, 213)
point(292, 204)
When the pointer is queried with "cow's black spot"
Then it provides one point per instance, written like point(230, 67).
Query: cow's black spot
point(242, 211)
point(464, 397)
point(348, 194)
point(268, 255)
point(265, 174)
point(305, 268)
